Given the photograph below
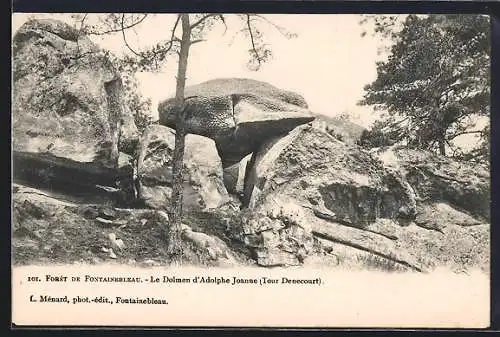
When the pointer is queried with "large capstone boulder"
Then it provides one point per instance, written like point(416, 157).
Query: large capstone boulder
point(69, 121)
point(238, 114)
point(203, 186)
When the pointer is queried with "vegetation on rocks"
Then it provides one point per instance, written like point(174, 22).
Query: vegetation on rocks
point(265, 181)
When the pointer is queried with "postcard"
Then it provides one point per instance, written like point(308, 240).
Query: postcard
point(251, 170)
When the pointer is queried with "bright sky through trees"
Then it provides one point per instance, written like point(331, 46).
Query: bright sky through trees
point(328, 62)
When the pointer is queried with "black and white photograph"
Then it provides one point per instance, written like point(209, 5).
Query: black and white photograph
point(349, 144)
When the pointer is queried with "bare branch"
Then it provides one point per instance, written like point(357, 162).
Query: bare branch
point(254, 48)
point(197, 41)
point(201, 20)
point(280, 29)
point(173, 38)
point(122, 26)
point(170, 43)
point(465, 133)
point(125, 37)
point(221, 17)
point(82, 22)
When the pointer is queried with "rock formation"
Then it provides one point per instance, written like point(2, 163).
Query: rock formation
point(238, 114)
point(340, 128)
point(309, 193)
point(437, 178)
point(203, 188)
point(67, 110)
point(308, 178)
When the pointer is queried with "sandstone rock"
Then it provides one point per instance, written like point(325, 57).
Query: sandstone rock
point(436, 178)
point(211, 246)
point(438, 216)
point(280, 237)
point(328, 191)
point(203, 188)
point(68, 113)
point(368, 242)
point(116, 243)
point(294, 179)
point(341, 129)
point(276, 258)
point(316, 169)
point(238, 114)
point(112, 254)
point(105, 222)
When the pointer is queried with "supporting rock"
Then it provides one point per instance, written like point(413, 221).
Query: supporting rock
point(203, 187)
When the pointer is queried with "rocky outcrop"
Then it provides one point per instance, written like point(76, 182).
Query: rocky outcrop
point(309, 194)
point(308, 179)
point(307, 191)
point(238, 114)
point(321, 171)
point(203, 188)
point(436, 178)
point(340, 128)
point(69, 121)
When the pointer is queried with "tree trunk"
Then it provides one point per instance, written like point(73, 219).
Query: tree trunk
point(174, 241)
point(442, 142)
point(442, 148)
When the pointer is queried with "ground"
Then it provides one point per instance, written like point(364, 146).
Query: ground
point(47, 230)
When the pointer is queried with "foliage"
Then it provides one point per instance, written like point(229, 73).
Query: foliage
point(377, 136)
point(251, 26)
point(435, 83)
point(375, 262)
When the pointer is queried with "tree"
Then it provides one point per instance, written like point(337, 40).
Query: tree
point(435, 84)
point(193, 28)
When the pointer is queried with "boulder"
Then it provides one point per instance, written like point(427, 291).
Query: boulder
point(69, 121)
point(435, 178)
point(319, 170)
point(238, 114)
point(203, 188)
point(212, 247)
point(67, 96)
point(438, 216)
point(300, 184)
point(340, 128)
point(309, 195)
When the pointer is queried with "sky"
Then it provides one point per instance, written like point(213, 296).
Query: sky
point(328, 62)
